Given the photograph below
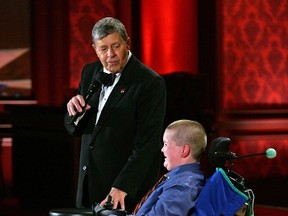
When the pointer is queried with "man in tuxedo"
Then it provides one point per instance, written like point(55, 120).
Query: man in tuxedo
point(120, 119)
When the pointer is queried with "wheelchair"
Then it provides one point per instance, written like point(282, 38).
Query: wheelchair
point(224, 193)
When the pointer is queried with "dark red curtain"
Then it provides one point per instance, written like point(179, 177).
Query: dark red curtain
point(169, 35)
point(50, 40)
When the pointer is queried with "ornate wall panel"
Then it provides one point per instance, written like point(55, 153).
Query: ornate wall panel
point(254, 37)
point(253, 93)
point(83, 15)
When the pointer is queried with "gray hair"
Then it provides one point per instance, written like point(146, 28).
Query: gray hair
point(106, 26)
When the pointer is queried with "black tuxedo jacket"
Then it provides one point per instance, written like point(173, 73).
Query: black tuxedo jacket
point(123, 149)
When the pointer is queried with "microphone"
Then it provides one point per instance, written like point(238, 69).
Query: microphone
point(269, 153)
point(90, 92)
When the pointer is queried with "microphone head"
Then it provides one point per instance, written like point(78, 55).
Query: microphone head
point(271, 153)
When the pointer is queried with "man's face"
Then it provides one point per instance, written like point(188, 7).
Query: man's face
point(172, 152)
point(112, 51)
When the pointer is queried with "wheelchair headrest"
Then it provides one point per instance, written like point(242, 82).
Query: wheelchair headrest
point(218, 151)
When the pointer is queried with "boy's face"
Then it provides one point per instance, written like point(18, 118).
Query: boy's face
point(172, 152)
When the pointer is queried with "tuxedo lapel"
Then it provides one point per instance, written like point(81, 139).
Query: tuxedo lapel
point(117, 93)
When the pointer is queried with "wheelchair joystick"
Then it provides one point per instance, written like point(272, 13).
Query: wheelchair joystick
point(109, 203)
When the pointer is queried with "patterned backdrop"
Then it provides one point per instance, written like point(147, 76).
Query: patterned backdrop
point(260, 166)
point(83, 15)
point(254, 80)
point(255, 53)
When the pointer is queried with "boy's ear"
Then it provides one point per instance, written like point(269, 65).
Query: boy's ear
point(185, 151)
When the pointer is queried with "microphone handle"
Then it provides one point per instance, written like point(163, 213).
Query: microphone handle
point(91, 91)
point(73, 118)
point(250, 155)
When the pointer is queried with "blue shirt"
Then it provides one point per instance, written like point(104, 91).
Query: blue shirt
point(177, 194)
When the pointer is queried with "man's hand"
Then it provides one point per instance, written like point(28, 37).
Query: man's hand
point(76, 104)
point(118, 198)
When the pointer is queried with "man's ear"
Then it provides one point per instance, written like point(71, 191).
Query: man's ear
point(94, 47)
point(128, 43)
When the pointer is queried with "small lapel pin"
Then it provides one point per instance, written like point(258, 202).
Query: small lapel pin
point(122, 91)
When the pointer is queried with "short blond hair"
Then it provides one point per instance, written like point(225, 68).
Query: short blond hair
point(191, 133)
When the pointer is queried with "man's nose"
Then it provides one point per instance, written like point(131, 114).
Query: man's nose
point(111, 52)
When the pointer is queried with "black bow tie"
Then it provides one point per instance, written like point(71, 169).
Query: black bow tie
point(106, 79)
